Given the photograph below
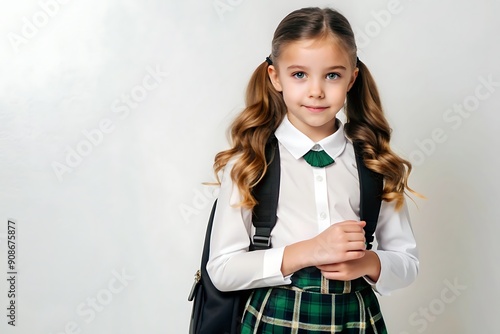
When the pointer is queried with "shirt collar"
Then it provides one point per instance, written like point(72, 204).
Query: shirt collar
point(299, 144)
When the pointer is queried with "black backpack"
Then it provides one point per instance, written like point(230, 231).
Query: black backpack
point(216, 312)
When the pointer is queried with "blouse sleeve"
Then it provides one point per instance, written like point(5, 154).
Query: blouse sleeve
point(231, 266)
point(396, 249)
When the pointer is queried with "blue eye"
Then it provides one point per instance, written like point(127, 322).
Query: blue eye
point(299, 75)
point(332, 76)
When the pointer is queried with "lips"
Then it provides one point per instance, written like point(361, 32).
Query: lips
point(315, 109)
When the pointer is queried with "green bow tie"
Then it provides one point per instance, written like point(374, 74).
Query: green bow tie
point(318, 158)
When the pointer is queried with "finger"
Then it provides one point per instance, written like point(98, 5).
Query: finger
point(330, 274)
point(355, 237)
point(354, 255)
point(348, 222)
point(361, 223)
point(335, 275)
point(355, 246)
point(350, 228)
point(329, 267)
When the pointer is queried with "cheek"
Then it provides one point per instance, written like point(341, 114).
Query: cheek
point(339, 96)
point(290, 92)
point(288, 99)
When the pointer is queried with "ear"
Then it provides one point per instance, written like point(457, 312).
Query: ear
point(273, 75)
point(353, 78)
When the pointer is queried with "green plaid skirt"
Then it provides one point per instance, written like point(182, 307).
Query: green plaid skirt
point(313, 304)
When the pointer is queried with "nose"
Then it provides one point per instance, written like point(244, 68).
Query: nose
point(316, 89)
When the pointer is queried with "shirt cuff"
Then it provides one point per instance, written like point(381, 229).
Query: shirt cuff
point(396, 271)
point(272, 274)
point(384, 266)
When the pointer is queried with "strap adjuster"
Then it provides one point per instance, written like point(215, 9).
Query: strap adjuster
point(261, 242)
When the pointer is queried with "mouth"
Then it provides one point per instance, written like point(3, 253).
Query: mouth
point(315, 109)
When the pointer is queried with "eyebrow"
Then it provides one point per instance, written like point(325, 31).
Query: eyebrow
point(331, 68)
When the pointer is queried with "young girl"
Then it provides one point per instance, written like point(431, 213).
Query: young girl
point(318, 277)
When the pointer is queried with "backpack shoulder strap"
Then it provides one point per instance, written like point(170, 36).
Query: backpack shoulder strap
point(266, 192)
point(371, 188)
point(206, 246)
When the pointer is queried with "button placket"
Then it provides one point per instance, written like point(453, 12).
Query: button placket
point(321, 198)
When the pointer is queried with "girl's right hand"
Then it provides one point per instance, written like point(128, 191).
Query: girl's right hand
point(340, 242)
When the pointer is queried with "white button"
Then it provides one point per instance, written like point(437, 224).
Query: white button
point(316, 147)
point(319, 178)
point(322, 215)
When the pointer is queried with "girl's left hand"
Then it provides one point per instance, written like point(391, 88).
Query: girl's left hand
point(368, 265)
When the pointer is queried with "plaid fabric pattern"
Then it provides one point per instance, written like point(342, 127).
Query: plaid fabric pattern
point(313, 304)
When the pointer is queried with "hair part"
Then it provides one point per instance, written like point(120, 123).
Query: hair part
point(265, 109)
point(314, 23)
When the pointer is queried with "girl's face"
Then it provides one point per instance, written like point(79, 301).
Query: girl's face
point(314, 77)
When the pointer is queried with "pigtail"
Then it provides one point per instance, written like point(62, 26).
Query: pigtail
point(250, 131)
point(367, 125)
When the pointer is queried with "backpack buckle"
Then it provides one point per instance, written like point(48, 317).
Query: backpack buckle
point(261, 242)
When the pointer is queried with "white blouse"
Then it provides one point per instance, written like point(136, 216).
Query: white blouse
point(310, 200)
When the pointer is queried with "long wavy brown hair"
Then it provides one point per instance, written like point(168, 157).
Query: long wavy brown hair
point(265, 109)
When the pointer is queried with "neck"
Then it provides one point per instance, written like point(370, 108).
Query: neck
point(319, 134)
point(316, 133)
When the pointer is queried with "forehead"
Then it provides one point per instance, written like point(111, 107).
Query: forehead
point(325, 52)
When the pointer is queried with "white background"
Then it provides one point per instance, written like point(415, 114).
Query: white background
point(133, 206)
